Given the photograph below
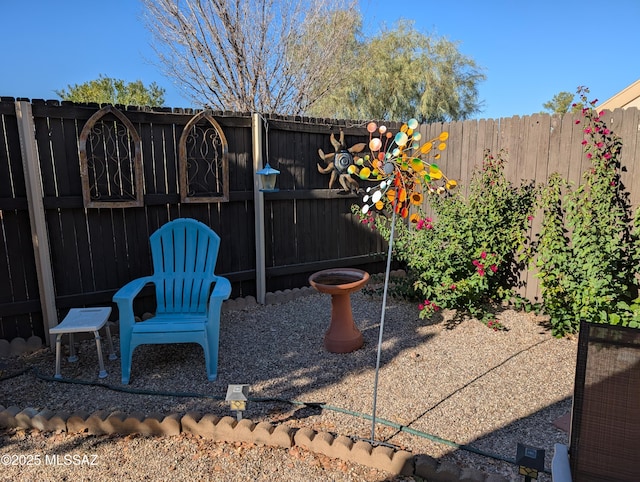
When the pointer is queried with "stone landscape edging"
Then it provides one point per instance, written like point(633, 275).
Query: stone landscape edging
point(228, 429)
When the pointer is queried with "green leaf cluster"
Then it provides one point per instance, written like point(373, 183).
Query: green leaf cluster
point(403, 73)
point(561, 104)
point(106, 90)
point(588, 250)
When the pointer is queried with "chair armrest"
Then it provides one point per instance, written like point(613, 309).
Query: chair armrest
point(124, 299)
point(129, 291)
point(221, 290)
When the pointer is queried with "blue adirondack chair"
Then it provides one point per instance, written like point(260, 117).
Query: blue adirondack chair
point(189, 295)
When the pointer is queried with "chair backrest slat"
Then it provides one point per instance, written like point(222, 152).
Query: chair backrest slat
point(184, 253)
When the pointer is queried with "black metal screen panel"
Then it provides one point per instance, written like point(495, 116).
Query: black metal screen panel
point(605, 429)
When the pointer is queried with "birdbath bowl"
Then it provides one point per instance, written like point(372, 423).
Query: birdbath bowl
point(343, 335)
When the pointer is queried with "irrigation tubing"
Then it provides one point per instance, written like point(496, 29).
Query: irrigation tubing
point(324, 406)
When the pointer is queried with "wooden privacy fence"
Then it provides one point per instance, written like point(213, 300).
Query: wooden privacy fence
point(95, 247)
point(50, 170)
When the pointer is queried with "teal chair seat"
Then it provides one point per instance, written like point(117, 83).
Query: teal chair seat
point(189, 295)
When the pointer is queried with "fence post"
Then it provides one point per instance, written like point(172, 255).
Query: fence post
point(258, 207)
point(39, 235)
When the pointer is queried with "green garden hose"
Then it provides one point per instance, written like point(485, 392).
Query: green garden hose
point(399, 427)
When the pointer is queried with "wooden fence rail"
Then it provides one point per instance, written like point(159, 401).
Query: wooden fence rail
point(307, 227)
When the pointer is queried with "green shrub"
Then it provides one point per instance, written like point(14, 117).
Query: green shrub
point(472, 248)
point(588, 245)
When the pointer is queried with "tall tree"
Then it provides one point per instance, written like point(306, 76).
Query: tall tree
point(561, 103)
point(403, 73)
point(106, 90)
point(272, 56)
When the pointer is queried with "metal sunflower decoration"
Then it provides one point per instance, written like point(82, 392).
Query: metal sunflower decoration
point(404, 167)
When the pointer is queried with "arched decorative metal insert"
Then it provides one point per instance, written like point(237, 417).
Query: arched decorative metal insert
point(204, 163)
point(110, 161)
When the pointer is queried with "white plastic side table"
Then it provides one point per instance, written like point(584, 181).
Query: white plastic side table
point(83, 320)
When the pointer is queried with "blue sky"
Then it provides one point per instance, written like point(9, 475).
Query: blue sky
point(529, 50)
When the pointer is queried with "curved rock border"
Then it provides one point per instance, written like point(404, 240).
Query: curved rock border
point(228, 429)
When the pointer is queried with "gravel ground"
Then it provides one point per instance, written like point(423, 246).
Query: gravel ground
point(447, 378)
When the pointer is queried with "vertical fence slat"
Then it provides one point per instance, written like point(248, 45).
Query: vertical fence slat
point(574, 174)
point(629, 131)
point(18, 280)
point(469, 151)
point(540, 171)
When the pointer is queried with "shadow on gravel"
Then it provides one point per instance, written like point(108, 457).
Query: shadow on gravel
point(276, 349)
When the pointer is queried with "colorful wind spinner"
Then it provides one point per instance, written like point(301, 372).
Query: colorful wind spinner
point(403, 165)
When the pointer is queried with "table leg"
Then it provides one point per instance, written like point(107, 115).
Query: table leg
point(58, 350)
point(72, 349)
point(103, 372)
point(112, 354)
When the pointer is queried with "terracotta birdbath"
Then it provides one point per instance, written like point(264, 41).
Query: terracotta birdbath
point(343, 335)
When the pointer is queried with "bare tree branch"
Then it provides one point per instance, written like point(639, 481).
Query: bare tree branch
point(272, 56)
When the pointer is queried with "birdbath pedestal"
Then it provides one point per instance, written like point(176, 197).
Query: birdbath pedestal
point(343, 335)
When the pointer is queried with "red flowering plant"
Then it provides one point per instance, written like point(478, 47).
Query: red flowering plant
point(588, 256)
point(467, 254)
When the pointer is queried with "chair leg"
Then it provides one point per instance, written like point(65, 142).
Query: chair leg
point(126, 352)
point(126, 371)
point(210, 361)
point(212, 339)
point(125, 362)
point(112, 353)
